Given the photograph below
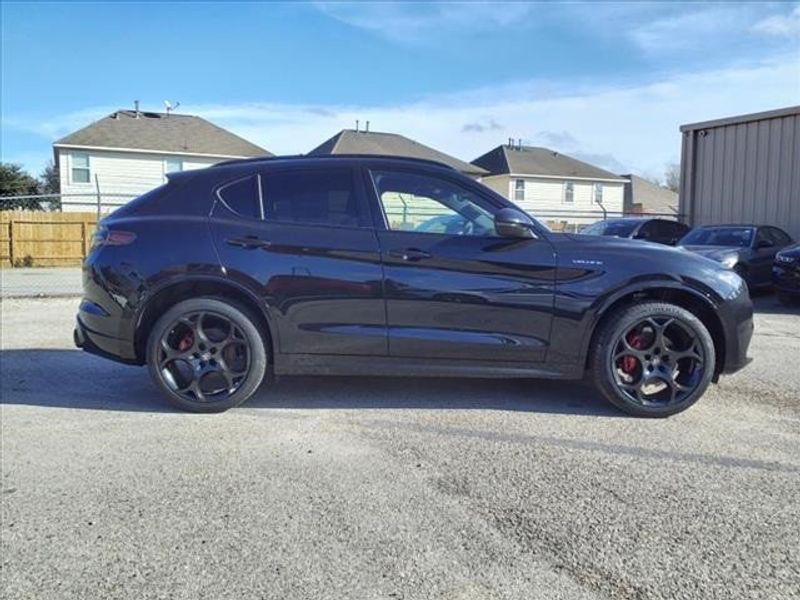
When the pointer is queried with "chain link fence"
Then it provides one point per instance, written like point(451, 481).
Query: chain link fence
point(44, 238)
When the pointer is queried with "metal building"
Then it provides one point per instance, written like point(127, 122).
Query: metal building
point(743, 169)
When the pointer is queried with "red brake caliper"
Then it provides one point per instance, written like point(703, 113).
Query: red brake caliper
point(629, 362)
point(185, 343)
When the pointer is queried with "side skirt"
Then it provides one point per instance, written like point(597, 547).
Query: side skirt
point(322, 364)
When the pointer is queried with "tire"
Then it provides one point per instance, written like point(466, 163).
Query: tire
point(207, 355)
point(623, 360)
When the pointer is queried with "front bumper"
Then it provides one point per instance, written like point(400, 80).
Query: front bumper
point(786, 277)
point(736, 317)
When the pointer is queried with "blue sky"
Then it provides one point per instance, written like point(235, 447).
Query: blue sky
point(607, 82)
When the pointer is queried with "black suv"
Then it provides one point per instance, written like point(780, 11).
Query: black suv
point(365, 265)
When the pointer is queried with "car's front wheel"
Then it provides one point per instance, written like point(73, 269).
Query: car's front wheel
point(207, 354)
point(653, 359)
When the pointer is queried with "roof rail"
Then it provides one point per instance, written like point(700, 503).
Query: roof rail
point(314, 157)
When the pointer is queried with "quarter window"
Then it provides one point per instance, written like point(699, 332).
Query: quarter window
point(80, 167)
point(320, 197)
point(243, 196)
point(569, 191)
point(519, 190)
point(423, 204)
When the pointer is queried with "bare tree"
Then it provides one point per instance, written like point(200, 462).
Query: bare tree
point(672, 177)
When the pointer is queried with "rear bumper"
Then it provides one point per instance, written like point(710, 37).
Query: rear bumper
point(90, 334)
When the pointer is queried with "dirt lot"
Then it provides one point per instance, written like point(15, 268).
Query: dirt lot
point(392, 488)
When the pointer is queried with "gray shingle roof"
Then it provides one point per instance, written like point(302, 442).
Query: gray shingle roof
point(161, 133)
point(349, 141)
point(530, 160)
point(653, 198)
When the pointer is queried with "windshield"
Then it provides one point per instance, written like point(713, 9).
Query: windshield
point(739, 237)
point(617, 228)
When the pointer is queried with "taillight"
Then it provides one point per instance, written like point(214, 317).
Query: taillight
point(103, 236)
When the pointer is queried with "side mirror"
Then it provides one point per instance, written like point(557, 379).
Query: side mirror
point(509, 222)
point(765, 244)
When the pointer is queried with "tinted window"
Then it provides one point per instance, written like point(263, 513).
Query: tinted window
point(779, 237)
point(242, 196)
point(719, 236)
point(615, 228)
point(425, 204)
point(319, 197)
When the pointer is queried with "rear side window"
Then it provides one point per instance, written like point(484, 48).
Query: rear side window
point(243, 196)
point(312, 197)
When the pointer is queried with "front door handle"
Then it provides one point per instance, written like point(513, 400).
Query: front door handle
point(409, 254)
point(249, 242)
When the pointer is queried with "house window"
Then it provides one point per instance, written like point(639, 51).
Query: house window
point(519, 190)
point(598, 193)
point(569, 191)
point(80, 167)
point(173, 164)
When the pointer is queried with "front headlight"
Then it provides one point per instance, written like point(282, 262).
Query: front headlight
point(729, 261)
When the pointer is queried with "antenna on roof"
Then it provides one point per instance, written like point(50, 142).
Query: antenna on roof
point(170, 107)
point(366, 130)
point(356, 125)
point(519, 144)
point(136, 108)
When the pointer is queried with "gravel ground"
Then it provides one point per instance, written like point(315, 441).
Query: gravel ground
point(392, 488)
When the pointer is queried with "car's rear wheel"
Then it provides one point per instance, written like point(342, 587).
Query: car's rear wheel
point(653, 359)
point(207, 355)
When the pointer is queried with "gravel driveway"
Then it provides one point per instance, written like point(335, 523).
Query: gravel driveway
point(392, 488)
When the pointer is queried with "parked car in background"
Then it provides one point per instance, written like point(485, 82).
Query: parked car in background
point(327, 265)
point(786, 274)
point(747, 249)
point(661, 231)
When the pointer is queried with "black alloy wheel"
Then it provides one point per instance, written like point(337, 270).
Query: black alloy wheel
point(207, 355)
point(653, 359)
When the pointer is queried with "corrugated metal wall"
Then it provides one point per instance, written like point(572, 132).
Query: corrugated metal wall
point(743, 172)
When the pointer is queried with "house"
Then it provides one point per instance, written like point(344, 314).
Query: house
point(354, 141)
point(130, 152)
point(643, 197)
point(563, 192)
point(743, 169)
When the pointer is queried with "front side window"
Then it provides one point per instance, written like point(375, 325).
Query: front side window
point(424, 204)
point(569, 191)
point(80, 167)
point(598, 193)
point(519, 190)
point(243, 196)
point(318, 197)
point(171, 165)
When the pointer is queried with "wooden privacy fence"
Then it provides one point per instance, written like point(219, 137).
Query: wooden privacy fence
point(45, 239)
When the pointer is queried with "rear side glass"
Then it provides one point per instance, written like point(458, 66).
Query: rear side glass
point(313, 197)
point(242, 196)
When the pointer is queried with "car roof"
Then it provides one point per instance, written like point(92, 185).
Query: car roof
point(303, 159)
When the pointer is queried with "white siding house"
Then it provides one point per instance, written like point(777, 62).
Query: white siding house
point(559, 190)
point(127, 153)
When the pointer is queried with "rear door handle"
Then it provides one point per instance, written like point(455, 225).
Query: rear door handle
point(249, 242)
point(409, 254)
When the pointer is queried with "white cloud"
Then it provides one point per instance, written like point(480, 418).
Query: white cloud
point(417, 22)
point(786, 25)
point(631, 127)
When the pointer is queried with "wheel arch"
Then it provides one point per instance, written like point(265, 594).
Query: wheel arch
point(685, 297)
point(170, 294)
